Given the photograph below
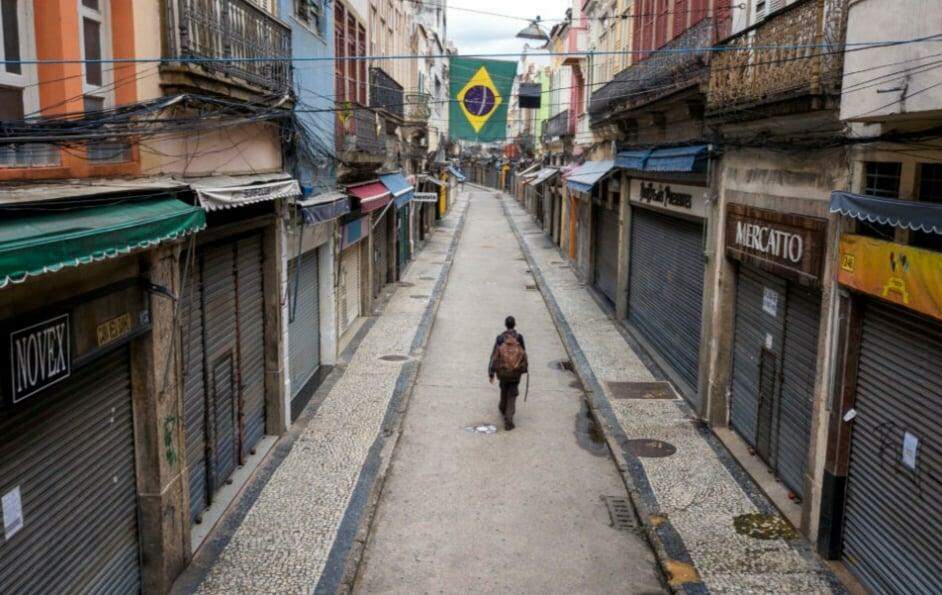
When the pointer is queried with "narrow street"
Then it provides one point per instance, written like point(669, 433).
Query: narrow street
point(508, 512)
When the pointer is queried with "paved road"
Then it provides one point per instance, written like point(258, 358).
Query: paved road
point(511, 512)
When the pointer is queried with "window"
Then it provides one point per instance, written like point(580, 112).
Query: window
point(94, 29)
point(311, 13)
point(881, 179)
point(930, 190)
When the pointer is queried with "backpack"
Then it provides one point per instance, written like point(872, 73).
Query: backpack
point(510, 362)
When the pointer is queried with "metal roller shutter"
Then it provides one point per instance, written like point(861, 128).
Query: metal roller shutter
point(606, 251)
point(251, 365)
point(219, 318)
point(796, 395)
point(893, 514)
point(665, 293)
point(380, 254)
point(402, 238)
point(194, 395)
point(753, 328)
point(303, 321)
point(71, 453)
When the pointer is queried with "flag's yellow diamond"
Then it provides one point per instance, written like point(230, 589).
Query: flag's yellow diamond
point(479, 99)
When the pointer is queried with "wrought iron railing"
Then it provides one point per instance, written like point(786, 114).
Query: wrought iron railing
point(418, 107)
point(556, 126)
point(356, 130)
point(232, 38)
point(386, 93)
point(808, 39)
point(662, 72)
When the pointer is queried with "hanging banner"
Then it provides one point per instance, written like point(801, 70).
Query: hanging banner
point(908, 276)
point(480, 93)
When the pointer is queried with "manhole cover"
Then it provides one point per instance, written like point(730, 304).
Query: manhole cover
point(481, 429)
point(651, 449)
point(531, 287)
point(563, 364)
point(647, 391)
point(394, 358)
point(621, 512)
point(764, 526)
point(405, 284)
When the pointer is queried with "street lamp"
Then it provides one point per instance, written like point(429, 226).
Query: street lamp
point(533, 31)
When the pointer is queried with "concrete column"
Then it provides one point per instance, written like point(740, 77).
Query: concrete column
point(624, 244)
point(274, 279)
point(721, 280)
point(284, 288)
point(159, 449)
point(327, 299)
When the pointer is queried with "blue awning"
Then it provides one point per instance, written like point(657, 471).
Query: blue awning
point(400, 188)
point(676, 159)
point(587, 175)
point(906, 214)
point(453, 171)
point(324, 207)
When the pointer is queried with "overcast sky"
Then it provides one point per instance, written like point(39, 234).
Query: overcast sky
point(485, 34)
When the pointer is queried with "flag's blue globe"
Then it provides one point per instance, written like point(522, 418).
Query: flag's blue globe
point(480, 100)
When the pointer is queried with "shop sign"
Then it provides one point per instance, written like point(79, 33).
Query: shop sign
point(910, 277)
point(788, 245)
point(680, 198)
point(40, 356)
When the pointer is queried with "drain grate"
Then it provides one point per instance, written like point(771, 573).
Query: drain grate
point(405, 284)
point(531, 287)
point(621, 512)
point(650, 449)
point(419, 297)
point(646, 391)
point(562, 364)
point(394, 358)
point(427, 278)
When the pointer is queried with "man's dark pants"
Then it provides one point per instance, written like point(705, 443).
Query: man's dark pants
point(508, 399)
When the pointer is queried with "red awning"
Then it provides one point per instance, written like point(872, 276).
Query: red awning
point(372, 196)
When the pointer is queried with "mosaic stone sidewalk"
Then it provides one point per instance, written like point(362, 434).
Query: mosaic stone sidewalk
point(713, 529)
point(287, 537)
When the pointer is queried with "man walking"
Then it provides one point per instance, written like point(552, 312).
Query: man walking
point(508, 363)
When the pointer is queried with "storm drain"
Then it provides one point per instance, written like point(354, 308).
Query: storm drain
point(419, 297)
point(562, 364)
point(405, 284)
point(621, 512)
point(646, 391)
point(427, 278)
point(394, 358)
point(531, 287)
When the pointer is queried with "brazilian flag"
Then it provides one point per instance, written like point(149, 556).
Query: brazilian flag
point(480, 93)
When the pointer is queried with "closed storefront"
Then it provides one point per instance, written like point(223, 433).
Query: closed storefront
point(382, 238)
point(402, 192)
point(605, 248)
point(775, 337)
point(67, 447)
point(304, 328)
point(892, 517)
point(224, 375)
point(665, 278)
point(349, 292)
point(583, 182)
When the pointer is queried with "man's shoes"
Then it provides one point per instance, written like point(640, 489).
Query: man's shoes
point(509, 425)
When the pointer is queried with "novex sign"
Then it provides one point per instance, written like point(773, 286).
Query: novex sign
point(40, 356)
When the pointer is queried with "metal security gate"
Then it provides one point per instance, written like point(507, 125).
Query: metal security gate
point(893, 519)
point(70, 454)
point(380, 253)
point(224, 363)
point(665, 290)
point(349, 299)
point(303, 321)
point(402, 239)
point(605, 276)
point(773, 370)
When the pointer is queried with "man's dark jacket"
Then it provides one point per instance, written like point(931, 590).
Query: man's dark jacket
point(491, 372)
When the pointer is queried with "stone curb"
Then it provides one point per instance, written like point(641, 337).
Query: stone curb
point(346, 555)
point(679, 572)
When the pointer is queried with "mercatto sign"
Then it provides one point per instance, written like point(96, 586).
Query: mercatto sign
point(789, 245)
point(40, 356)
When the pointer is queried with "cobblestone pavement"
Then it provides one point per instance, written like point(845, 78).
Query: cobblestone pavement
point(502, 512)
point(699, 490)
point(287, 536)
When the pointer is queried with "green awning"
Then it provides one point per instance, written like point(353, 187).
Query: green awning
point(36, 242)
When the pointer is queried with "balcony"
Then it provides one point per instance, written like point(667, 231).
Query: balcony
point(417, 108)
point(357, 139)
point(385, 93)
point(557, 126)
point(228, 37)
point(660, 74)
point(744, 77)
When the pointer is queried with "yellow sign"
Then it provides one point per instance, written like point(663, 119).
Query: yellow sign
point(908, 276)
point(114, 329)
